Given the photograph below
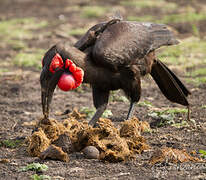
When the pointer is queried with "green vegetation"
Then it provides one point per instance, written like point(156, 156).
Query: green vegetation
point(39, 168)
point(15, 32)
point(14, 28)
point(10, 143)
point(196, 81)
point(147, 18)
point(149, 3)
point(35, 167)
point(195, 30)
point(188, 54)
point(175, 111)
point(203, 106)
point(198, 72)
point(91, 111)
point(77, 31)
point(16, 44)
point(187, 17)
point(198, 76)
point(203, 153)
point(173, 54)
point(181, 124)
point(93, 11)
point(145, 104)
point(2, 70)
point(40, 177)
point(116, 97)
point(29, 59)
point(19, 28)
point(166, 117)
point(184, 17)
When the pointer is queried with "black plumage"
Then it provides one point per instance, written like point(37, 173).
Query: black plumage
point(115, 55)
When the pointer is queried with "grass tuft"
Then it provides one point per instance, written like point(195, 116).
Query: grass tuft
point(116, 97)
point(77, 31)
point(13, 32)
point(188, 54)
point(40, 177)
point(145, 104)
point(29, 59)
point(166, 117)
point(10, 143)
point(93, 11)
point(183, 17)
point(91, 111)
point(35, 167)
point(149, 4)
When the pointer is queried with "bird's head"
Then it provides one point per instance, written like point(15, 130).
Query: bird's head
point(57, 71)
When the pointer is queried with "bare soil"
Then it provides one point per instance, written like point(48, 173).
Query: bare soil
point(20, 103)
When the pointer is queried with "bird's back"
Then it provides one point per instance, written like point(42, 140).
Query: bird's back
point(126, 41)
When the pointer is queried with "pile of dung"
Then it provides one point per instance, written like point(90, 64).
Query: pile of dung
point(172, 155)
point(57, 140)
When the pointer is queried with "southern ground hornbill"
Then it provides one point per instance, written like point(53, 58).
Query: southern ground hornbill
point(110, 56)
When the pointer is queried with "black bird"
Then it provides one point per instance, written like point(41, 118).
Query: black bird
point(114, 55)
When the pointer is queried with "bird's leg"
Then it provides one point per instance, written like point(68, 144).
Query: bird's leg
point(131, 110)
point(188, 113)
point(100, 99)
point(191, 122)
point(97, 115)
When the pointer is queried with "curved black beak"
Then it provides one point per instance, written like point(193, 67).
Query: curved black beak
point(48, 84)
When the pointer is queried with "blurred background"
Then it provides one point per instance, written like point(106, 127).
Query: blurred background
point(28, 28)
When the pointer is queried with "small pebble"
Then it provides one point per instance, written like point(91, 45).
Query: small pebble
point(91, 152)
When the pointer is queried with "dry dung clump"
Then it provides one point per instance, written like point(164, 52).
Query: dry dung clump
point(106, 138)
point(54, 152)
point(78, 132)
point(131, 131)
point(54, 140)
point(51, 128)
point(77, 115)
point(130, 128)
point(65, 143)
point(38, 142)
point(167, 154)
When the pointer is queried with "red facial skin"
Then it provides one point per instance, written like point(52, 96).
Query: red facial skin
point(57, 62)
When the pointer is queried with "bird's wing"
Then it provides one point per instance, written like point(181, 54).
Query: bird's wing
point(91, 35)
point(126, 41)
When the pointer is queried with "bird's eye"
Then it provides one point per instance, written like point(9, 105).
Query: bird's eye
point(56, 63)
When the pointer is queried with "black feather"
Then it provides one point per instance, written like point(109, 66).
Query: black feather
point(169, 84)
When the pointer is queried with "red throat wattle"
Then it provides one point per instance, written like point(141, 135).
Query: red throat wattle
point(69, 80)
point(66, 82)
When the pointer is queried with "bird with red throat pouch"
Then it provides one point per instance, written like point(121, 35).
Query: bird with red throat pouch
point(112, 55)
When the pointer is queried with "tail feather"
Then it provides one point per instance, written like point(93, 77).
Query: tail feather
point(169, 83)
point(162, 36)
point(182, 86)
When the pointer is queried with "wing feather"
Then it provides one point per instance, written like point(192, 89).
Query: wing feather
point(126, 41)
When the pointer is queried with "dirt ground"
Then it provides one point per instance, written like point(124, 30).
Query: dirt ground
point(20, 102)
